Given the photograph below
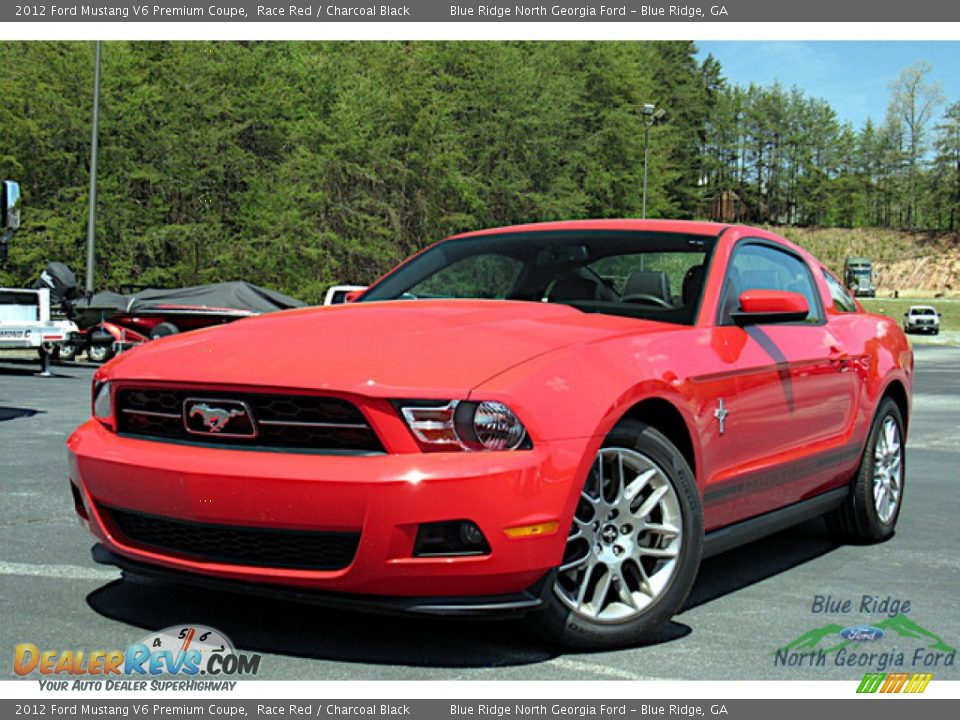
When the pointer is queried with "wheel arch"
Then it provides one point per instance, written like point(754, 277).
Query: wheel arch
point(664, 416)
point(896, 391)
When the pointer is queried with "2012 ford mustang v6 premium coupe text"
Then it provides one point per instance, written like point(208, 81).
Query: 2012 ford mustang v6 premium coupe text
point(560, 419)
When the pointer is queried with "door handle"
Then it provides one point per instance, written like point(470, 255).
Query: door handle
point(838, 358)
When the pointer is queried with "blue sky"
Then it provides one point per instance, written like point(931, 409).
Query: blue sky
point(852, 76)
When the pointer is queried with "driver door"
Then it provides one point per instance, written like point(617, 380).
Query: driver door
point(791, 399)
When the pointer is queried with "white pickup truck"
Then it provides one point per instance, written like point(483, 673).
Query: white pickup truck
point(921, 319)
point(25, 321)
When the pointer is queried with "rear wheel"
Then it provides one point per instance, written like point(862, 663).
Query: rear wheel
point(634, 545)
point(68, 351)
point(870, 512)
point(163, 329)
point(99, 353)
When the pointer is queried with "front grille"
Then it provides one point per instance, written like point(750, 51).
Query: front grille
point(294, 422)
point(236, 545)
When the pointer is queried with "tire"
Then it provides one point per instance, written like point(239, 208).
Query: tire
point(99, 353)
point(636, 578)
point(68, 351)
point(163, 330)
point(870, 512)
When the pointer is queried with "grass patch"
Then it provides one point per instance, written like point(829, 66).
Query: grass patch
point(949, 309)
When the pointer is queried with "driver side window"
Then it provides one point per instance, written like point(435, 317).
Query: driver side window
point(756, 266)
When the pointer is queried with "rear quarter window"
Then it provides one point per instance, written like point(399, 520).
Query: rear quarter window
point(842, 301)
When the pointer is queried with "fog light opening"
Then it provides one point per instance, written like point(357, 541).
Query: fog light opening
point(450, 539)
point(78, 502)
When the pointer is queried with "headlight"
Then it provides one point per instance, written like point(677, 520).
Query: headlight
point(486, 425)
point(103, 402)
point(496, 427)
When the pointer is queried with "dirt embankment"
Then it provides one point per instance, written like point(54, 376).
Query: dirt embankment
point(932, 275)
point(911, 264)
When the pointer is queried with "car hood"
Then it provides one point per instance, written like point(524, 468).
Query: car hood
point(422, 348)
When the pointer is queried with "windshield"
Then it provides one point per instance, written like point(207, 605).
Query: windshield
point(922, 311)
point(634, 274)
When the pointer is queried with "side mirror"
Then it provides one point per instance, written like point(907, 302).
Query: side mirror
point(770, 306)
point(10, 207)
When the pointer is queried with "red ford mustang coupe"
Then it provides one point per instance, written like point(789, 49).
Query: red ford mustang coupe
point(558, 419)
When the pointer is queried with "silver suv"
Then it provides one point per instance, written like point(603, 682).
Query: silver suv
point(921, 319)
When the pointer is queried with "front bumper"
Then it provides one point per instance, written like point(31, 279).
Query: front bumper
point(384, 498)
point(518, 603)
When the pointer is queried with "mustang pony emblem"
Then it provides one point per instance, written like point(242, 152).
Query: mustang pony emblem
point(215, 419)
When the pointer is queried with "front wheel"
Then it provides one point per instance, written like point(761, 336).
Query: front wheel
point(634, 545)
point(870, 512)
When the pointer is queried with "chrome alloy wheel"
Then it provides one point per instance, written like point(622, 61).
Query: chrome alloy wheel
point(887, 470)
point(625, 540)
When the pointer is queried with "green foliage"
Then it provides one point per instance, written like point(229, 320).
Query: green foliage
point(299, 165)
point(780, 157)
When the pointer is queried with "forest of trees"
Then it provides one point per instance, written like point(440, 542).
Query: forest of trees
point(778, 156)
point(298, 165)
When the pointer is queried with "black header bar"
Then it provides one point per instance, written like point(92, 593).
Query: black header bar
point(560, 11)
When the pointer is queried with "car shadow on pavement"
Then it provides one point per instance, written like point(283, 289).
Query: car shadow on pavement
point(257, 624)
point(744, 566)
point(12, 367)
point(266, 625)
point(14, 413)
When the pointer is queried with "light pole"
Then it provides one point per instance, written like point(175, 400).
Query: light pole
point(652, 115)
point(92, 209)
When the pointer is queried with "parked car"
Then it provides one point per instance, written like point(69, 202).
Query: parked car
point(339, 294)
point(921, 319)
point(558, 419)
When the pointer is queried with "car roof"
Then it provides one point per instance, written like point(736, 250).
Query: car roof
point(922, 307)
point(689, 227)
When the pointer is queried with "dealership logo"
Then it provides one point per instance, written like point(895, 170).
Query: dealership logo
point(862, 633)
point(895, 643)
point(225, 418)
point(186, 651)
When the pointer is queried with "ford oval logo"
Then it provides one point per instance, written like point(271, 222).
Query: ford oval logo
point(862, 633)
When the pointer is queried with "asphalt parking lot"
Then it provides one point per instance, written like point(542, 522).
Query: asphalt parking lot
point(745, 605)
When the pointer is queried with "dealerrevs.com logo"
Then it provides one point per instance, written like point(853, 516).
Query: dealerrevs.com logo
point(181, 651)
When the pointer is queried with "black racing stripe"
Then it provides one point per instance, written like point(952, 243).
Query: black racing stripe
point(767, 479)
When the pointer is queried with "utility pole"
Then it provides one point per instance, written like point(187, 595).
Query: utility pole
point(652, 116)
point(92, 210)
